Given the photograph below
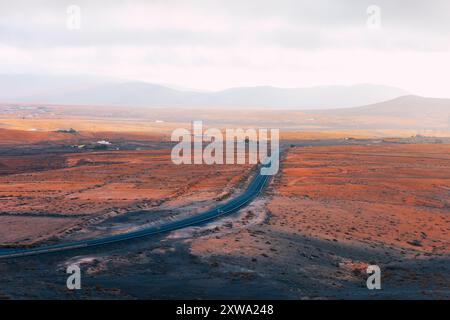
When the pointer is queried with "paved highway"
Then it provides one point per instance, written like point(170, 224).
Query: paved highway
point(253, 190)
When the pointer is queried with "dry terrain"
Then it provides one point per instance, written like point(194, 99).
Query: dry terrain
point(43, 195)
point(394, 196)
point(395, 118)
point(332, 211)
point(336, 206)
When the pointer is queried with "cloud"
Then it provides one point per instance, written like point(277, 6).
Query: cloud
point(216, 44)
point(302, 24)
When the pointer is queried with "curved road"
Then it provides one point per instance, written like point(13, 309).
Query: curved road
point(256, 186)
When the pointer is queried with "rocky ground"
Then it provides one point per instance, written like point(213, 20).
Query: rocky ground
point(51, 195)
point(330, 213)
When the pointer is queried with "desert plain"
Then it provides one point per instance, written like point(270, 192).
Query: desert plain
point(343, 199)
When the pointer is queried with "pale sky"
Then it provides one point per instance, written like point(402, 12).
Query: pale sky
point(214, 45)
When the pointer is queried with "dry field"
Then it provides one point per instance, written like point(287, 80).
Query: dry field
point(395, 196)
point(294, 124)
point(332, 211)
point(43, 195)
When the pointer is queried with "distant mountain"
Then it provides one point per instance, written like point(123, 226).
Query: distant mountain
point(96, 91)
point(407, 112)
point(408, 106)
point(137, 94)
point(307, 98)
point(29, 87)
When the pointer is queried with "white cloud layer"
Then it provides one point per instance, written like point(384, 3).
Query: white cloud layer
point(218, 44)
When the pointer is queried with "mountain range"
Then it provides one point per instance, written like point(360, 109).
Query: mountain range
point(86, 90)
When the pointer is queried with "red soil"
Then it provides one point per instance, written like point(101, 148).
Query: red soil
point(88, 184)
point(397, 196)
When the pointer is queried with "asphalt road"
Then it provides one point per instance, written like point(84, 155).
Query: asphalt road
point(253, 190)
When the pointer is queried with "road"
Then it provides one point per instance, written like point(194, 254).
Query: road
point(253, 190)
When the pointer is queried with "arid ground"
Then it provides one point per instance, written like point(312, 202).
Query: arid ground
point(335, 210)
point(49, 195)
point(335, 207)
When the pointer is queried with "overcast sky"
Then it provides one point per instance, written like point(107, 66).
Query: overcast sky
point(219, 44)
